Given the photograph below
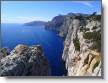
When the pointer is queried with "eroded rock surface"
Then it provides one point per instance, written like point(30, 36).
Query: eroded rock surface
point(25, 61)
point(82, 50)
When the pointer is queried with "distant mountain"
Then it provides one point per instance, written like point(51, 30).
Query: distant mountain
point(35, 23)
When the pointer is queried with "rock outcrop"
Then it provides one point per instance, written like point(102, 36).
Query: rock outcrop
point(25, 61)
point(82, 48)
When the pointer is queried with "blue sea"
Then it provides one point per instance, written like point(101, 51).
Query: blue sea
point(14, 34)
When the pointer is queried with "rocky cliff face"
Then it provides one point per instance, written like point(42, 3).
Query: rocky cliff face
point(82, 49)
point(61, 23)
point(57, 24)
point(24, 61)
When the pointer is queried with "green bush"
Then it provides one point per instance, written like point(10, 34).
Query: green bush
point(88, 35)
point(96, 64)
point(96, 45)
point(76, 44)
point(98, 17)
point(92, 35)
point(95, 17)
point(95, 37)
point(4, 51)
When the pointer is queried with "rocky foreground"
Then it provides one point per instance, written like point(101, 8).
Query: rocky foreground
point(24, 61)
point(82, 45)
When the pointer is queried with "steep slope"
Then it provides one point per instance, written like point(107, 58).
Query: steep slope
point(82, 50)
point(61, 23)
point(25, 61)
point(57, 24)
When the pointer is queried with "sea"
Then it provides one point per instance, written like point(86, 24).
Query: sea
point(14, 34)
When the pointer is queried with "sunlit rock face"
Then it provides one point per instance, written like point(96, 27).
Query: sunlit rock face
point(82, 48)
point(25, 61)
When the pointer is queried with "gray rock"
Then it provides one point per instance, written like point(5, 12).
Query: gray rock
point(80, 56)
point(25, 61)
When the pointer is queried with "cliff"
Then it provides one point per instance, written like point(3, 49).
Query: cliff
point(82, 48)
point(24, 61)
point(61, 23)
point(56, 24)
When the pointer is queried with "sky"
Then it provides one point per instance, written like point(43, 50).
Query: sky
point(26, 11)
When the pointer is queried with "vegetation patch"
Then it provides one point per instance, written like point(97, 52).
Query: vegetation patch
point(76, 44)
point(96, 64)
point(95, 17)
point(96, 39)
point(4, 51)
point(88, 35)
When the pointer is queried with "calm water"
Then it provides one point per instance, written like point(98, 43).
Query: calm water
point(14, 34)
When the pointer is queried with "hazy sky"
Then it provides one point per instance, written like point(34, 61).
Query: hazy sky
point(26, 11)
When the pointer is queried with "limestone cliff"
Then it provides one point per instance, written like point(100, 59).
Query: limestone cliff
point(57, 24)
point(24, 61)
point(82, 48)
